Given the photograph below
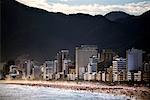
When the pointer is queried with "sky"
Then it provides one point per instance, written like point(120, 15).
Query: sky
point(92, 7)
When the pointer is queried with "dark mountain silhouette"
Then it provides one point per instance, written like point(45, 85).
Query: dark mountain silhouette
point(117, 15)
point(40, 34)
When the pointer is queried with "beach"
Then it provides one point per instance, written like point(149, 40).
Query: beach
point(137, 93)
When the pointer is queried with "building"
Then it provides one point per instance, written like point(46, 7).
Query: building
point(83, 53)
point(146, 76)
point(109, 74)
point(65, 69)
point(71, 69)
point(138, 76)
point(105, 59)
point(59, 76)
point(99, 76)
point(107, 77)
point(29, 71)
point(48, 70)
point(36, 72)
point(134, 75)
point(146, 72)
point(59, 62)
point(55, 66)
point(103, 76)
point(85, 77)
point(92, 65)
point(146, 67)
point(13, 72)
point(61, 55)
point(106, 55)
point(1, 75)
point(119, 66)
point(5, 68)
point(134, 59)
point(71, 77)
point(90, 76)
point(122, 76)
point(82, 70)
point(2, 67)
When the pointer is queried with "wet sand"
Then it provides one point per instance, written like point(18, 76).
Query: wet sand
point(137, 93)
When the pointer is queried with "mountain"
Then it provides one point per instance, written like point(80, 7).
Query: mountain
point(41, 34)
point(116, 15)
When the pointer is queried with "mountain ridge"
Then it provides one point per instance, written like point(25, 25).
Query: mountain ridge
point(117, 15)
point(28, 30)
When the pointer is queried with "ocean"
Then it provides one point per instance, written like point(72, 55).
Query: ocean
point(23, 92)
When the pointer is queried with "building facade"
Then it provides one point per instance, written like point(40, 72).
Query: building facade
point(92, 65)
point(146, 72)
point(105, 57)
point(83, 53)
point(29, 71)
point(48, 69)
point(65, 65)
point(119, 67)
point(61, 55)
point(134, 59)
point(134, 75)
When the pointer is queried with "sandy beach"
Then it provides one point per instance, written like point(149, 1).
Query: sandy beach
point(137, 93)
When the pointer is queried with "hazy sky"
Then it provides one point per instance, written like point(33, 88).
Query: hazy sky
point(93, 7)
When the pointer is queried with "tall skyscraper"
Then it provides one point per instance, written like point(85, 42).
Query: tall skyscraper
point(61, 55)
point(55, 66)
point(59, 62)
point(134, 59)
point(83, 53)
point(29, 68)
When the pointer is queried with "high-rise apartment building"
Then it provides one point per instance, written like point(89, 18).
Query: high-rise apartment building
point(119, 66)
point(92, 65)
point(134, 59)
point(48, 69)
point(83, 53)
point(61, 55)
point(29, 67)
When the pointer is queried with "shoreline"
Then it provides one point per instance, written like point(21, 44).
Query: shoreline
point(137, 93)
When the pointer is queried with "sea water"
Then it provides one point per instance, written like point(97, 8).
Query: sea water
point(23, 92)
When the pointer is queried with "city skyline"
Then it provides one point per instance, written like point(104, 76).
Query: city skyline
point(90, 64)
